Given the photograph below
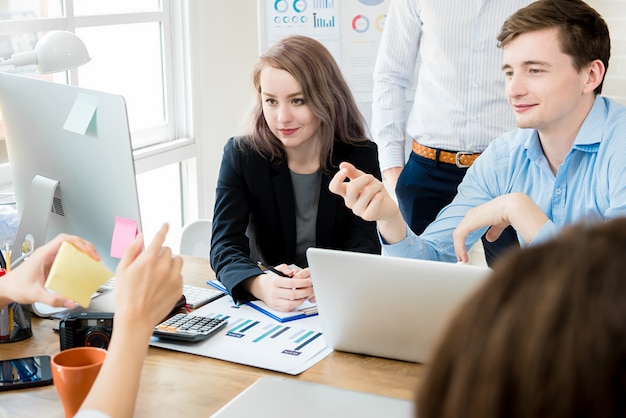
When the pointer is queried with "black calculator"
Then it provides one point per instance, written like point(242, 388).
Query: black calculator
point(188, 327)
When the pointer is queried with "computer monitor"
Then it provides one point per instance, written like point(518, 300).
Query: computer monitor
point(71, 158)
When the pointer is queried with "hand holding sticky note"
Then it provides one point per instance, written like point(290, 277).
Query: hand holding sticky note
point(75, 275)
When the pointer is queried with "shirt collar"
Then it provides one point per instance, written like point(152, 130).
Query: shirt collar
point(592, 130)
point(589, 135)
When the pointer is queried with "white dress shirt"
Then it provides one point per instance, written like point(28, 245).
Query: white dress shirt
point(459, 103)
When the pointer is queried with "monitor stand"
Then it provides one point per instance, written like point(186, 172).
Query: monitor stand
point(35, 215)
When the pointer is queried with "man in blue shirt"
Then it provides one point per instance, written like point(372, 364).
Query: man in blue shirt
point(565, 163)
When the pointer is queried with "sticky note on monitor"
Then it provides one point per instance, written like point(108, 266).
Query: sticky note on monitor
point(82, 117)
point(124, 233)
point(75, 275)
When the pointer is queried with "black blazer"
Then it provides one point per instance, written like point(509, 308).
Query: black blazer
point(254, 217)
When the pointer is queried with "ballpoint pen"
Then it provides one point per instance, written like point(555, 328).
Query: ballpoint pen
point(272, 269)
point(3, 263)
point(7, 256)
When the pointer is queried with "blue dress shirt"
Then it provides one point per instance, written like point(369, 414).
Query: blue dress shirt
point(589, 185)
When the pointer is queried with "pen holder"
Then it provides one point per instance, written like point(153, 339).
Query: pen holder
point(15, 323)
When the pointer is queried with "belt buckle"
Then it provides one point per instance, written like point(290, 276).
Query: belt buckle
point(457, 159)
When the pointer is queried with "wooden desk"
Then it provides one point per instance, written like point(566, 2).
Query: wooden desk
point(181, 384)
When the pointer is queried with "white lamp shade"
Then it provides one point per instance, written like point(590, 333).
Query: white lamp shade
point(56, 51)
point(59, 51)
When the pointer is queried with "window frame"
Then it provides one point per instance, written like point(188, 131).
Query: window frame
point(172, 141)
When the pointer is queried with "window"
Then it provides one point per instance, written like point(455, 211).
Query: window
point(138, 51)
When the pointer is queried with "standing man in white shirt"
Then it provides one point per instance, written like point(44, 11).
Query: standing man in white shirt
point(459, 105)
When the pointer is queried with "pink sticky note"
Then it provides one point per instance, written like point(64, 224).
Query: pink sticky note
point(124, 233)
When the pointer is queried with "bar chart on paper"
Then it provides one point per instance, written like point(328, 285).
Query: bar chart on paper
point(254, 339)
point(288, 340)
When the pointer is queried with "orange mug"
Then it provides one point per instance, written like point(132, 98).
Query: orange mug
point(74, 370)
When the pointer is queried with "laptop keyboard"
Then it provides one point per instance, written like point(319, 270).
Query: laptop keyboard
point(196, 296)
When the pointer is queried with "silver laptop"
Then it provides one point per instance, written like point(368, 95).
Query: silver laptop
point(279, 397)
point(387, 306)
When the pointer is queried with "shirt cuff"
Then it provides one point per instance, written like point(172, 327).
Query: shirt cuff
point(547, 232)
point(390, 156)
point(410, 247)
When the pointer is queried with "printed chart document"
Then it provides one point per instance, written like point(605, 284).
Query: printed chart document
point(254, 339)
point(305, 310)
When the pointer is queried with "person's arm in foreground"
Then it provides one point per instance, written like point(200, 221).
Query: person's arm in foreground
point(367, 197)
point(148, 284)
point(25, 284)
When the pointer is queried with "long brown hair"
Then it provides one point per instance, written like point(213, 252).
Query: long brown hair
point(544, 337)
point(325, 91)
point(583, 33)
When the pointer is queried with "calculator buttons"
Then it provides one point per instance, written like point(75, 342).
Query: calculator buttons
point(187, 327)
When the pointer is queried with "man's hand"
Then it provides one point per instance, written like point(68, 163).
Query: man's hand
point(515, 209)
point(367, 197)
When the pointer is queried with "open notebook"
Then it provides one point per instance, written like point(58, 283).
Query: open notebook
point(386, 306)
point(305, 310)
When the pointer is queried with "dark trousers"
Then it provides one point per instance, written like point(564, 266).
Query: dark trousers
point(426, 186)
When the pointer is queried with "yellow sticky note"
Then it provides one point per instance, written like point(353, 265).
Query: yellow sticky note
point(75, 275)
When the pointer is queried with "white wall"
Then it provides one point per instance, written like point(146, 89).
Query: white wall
point(614, 12)
point(224, 45)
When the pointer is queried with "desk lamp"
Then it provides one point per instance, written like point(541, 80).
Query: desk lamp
point(56, 51)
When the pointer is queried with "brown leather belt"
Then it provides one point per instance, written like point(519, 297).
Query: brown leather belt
point(462, 159)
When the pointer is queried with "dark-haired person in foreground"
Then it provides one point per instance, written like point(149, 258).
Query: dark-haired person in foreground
point(543, 337)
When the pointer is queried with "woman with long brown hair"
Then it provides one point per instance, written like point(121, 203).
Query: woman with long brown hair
point(272, 198)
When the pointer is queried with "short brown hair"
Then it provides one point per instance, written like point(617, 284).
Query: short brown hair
point(583, 33)
point(325, 91)
point(544, 337)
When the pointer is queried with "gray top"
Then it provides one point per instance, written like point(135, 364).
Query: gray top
point(306, 189)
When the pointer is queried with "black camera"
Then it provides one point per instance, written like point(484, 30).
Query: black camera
point(86, 329)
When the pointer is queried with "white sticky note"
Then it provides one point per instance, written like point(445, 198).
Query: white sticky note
point(82, 114)
point(75, 275)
